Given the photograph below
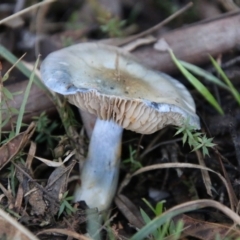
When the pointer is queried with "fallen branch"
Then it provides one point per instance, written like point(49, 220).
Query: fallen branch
point(194, 43)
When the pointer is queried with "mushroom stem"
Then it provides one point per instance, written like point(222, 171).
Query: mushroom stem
point(99, 175)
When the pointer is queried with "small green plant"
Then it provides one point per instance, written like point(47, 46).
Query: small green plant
point(109, 24)
point(65, 205)
point(158, 209)
point(113, 27)
point(168, 228)
point(134, 164)
point(195, 140)
point(44, 128)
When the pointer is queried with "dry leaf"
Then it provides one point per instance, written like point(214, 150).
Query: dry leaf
point(206, 230)
point(66, 232)
point(9, 150)
point(178, 165)
point(129, 210)
point(32, 193)
point(57, 185)
point(51, 163)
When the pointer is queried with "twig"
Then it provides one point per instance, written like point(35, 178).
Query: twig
point(25, 11)
point(156, 27)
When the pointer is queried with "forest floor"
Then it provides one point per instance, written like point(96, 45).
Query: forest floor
point(166, 188)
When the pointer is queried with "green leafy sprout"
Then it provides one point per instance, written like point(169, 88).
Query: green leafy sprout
point(113, 27)
point(65, 206)
point(44, 128)
point(168, 228)
point(109, 24)
point(196, 140)
point(134, 164)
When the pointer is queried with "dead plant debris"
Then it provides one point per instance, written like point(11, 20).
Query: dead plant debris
point(163, 183)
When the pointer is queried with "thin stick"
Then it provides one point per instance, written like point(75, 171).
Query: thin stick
point(25, 11)
point(159, 25)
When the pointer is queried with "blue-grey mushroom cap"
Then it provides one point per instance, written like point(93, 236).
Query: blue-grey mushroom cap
point(113, 85)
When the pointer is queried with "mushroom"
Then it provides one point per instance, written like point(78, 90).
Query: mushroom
point(123, 94)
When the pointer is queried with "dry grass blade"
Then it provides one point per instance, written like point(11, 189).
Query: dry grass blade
point(19, 199)
point(182, 208)
point(12, 67)
point(177, 165)
point(28, 164)
point(31, 153)
point(139, 42)
point(7, 193)
point(51, 163)
point(197, 204)
point(129, 210)
point(12, 229)
point(25, 11)
point(225, 174)
point(106, 225)
point(205, 174)
point(158, 26)
point(205, 230)
point(64, 232)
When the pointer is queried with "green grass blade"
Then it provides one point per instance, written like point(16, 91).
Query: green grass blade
point(5, 122)
point(61, 209)
point(156, 223)
point(233, 90)
point(197, 84)
point(7, 93)
point(149, 205)
point(164, 230)
point(159, 208)
point(203, 73)
point(12, 59)
point(176, 230)
point(25, 97)
point(145, 217)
